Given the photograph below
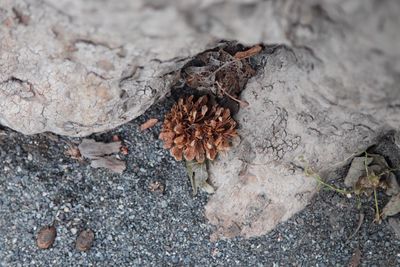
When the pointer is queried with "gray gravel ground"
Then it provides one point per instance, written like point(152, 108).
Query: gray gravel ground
point(40, 185)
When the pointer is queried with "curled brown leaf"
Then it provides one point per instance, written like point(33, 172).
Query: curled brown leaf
point(249, 52)
point(148, 124)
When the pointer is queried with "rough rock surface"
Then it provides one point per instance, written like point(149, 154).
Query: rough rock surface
point(325, 98)
point(77, 67)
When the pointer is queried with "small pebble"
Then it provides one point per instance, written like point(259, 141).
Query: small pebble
point(45, 237)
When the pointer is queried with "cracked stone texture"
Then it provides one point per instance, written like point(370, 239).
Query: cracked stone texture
point(318, 101)
point(77, 67)
point(327, 91)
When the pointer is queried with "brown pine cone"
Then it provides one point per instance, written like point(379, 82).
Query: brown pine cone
point(194, 129)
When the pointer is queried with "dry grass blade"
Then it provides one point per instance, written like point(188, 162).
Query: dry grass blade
point(242, 103)
point(248, 53)
point(360, 221)
point(148, 124)
point(109, 162)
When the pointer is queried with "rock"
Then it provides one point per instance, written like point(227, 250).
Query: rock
point(317, 103)
point(394, 223)
point(78, 67)
point(392, 207)
point(45, 237)
point(74, 68)
point(356, 170)
point(393, 185)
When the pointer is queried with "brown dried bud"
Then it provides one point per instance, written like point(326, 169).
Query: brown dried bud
point(195, 129)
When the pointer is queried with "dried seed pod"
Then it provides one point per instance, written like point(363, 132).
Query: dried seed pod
point(156, 186)
point(85, 240)
point(45, 237)
point(196, 130)
point(124, 150)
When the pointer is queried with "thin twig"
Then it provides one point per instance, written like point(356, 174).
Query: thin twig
point(241, 103)
point(377, 213)
point(235, 60)
point(360, 221)
point(365, 164)
point(223, 66)
point(309, 172)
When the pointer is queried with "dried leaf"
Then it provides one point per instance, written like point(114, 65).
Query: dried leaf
point(91, 149)
point(85, 240)
point(360, 221)
point(73, 152)
point(156, 186)
point(45, 237)
point(198, 176)
point(248, 53)
point(368, 183)
point(392, 207)
point(355, 258)
point(148, 124)
point(109, 162)
point(225, 65)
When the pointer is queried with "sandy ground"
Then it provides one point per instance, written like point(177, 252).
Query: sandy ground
point(40, 185)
